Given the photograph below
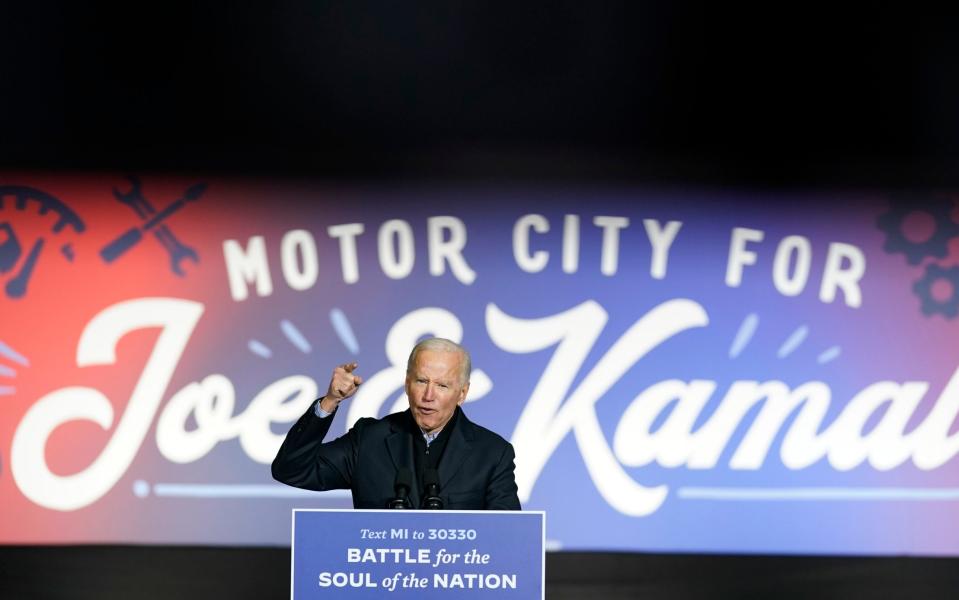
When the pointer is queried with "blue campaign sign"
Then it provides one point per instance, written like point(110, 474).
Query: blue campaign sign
point(417, 554)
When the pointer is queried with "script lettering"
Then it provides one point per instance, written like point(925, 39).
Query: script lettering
point(176, 320)
point(544, 422)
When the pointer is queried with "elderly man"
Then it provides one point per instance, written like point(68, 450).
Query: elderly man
point(433, 439)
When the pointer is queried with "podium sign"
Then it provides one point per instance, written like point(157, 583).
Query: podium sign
point(353, 554)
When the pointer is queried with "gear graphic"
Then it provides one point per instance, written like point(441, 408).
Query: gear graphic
point(936, 246)
point(923, 288)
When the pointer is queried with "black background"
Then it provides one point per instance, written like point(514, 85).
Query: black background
point(163, 572)
point(783, 93)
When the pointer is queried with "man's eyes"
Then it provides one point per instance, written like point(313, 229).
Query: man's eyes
point(445, 386)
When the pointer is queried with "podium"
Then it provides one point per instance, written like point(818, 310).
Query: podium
point(360, 554)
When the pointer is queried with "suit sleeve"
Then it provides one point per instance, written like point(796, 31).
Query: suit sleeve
point(304, 461)
point(501, 490)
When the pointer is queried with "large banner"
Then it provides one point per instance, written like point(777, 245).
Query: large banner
point(678, 369)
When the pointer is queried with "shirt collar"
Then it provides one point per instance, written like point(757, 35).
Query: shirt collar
point(431, 436)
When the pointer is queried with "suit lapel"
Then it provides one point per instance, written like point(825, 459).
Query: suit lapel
point(458, 448)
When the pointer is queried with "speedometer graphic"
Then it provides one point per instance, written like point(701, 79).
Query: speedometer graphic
point(16, 258)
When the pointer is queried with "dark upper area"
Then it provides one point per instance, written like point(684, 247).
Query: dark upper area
point(792, 93)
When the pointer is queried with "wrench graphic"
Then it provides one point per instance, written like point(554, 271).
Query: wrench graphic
point(177, 250)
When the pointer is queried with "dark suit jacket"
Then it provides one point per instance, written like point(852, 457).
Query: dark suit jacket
point(476, 471)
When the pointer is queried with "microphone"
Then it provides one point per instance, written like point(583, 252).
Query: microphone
point(431, 490)
point(404, 482)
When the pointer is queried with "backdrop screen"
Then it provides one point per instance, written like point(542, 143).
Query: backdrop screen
point(679, 369)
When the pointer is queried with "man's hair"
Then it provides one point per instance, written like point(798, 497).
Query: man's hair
point(442, 345)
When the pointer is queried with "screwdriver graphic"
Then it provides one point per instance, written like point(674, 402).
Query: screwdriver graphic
point(132, 237)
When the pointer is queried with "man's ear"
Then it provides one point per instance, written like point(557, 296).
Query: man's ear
point(465, 390)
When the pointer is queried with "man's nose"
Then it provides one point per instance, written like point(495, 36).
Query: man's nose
point(428, 392)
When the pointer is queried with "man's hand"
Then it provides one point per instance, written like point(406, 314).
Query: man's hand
point(342, 386)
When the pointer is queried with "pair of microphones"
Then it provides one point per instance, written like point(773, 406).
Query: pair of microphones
point(404, 483)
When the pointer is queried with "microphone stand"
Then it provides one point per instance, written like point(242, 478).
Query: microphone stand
point(404, 482)
point(431, 490)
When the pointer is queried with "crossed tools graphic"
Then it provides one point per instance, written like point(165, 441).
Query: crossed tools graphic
point(153, 223)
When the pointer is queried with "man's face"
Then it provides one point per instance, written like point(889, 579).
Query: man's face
point(434, 389)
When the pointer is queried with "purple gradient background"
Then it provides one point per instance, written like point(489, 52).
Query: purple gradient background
point(886, 339)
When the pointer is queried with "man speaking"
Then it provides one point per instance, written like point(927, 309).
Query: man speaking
point(429, 456)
